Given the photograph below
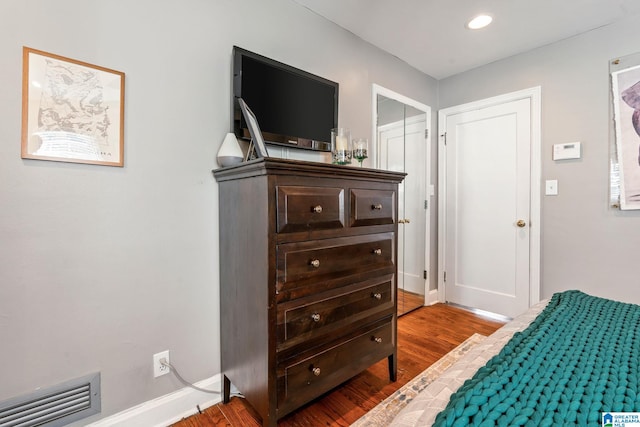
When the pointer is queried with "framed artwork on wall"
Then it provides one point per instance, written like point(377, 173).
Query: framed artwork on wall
point(72, 111)
point(625, 87)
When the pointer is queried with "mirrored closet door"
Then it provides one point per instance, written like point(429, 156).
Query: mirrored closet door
point(402, 145)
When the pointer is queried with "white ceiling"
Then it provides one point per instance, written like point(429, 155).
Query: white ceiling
point(431, 35)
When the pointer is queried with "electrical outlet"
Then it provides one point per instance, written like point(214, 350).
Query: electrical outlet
point(158, 368)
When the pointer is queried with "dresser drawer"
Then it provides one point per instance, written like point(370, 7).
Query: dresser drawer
point(372, 207)
point(309, 208)
point(302, 380)
point(318, 315)
point(314, 263)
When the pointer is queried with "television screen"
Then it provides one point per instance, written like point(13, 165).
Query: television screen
point(293, 107)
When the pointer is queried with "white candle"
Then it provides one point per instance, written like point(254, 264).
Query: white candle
point(341, 143)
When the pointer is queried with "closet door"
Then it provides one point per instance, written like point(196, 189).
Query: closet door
point(402, 146)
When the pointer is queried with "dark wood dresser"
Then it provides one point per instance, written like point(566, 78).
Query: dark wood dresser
point(307, 278)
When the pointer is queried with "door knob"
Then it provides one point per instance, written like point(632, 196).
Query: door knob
point(521, 223)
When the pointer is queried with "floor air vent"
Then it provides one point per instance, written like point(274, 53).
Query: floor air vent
point(55, 406)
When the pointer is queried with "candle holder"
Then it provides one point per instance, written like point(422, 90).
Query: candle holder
point(341, 146)
point(360, 149)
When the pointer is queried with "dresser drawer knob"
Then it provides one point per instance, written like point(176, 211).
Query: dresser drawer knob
point(316, 371)
point(376, 339)
point(377, 207)
point(315, 317)
point(317, 209)
point(377, 296)
point(377, 251)
point(315, 263)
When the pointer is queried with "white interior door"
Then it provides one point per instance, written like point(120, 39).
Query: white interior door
point(488, 212)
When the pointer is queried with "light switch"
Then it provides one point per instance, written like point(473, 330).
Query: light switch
point(551, 187)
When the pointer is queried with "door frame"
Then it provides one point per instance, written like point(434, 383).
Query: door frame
point(534, 95)
point(380, 90)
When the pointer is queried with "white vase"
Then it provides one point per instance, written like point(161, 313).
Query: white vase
point(230, 152)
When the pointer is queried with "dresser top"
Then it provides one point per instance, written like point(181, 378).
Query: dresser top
point(277, 166)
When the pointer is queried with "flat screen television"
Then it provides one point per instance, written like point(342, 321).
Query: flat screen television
point(293, 107)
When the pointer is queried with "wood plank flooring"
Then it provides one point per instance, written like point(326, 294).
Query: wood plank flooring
point(408, 301)
point(424, 336)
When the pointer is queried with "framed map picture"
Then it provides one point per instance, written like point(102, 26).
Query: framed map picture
point(71, 111)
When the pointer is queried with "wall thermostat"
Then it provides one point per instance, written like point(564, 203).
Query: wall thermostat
point(570, 150)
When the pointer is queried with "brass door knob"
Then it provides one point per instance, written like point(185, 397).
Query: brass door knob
point(521, 223)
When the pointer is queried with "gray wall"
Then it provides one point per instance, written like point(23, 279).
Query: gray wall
point(586, 244)
point(101, 267)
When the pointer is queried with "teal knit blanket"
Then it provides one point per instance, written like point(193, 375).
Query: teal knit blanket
point(577, 359)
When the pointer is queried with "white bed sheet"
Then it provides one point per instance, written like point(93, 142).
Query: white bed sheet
point(424, 408)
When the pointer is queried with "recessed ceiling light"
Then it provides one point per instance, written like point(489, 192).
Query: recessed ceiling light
point(479, 21)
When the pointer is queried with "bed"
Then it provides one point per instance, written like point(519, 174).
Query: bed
point(564, 362)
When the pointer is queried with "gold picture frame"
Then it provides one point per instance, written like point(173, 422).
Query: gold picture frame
point(72, 111)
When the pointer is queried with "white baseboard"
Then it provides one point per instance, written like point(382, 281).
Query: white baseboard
point(167, 409)
point(431, 298)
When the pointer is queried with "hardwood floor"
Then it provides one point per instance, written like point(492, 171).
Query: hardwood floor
point(408, 301)
point(424, 336)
